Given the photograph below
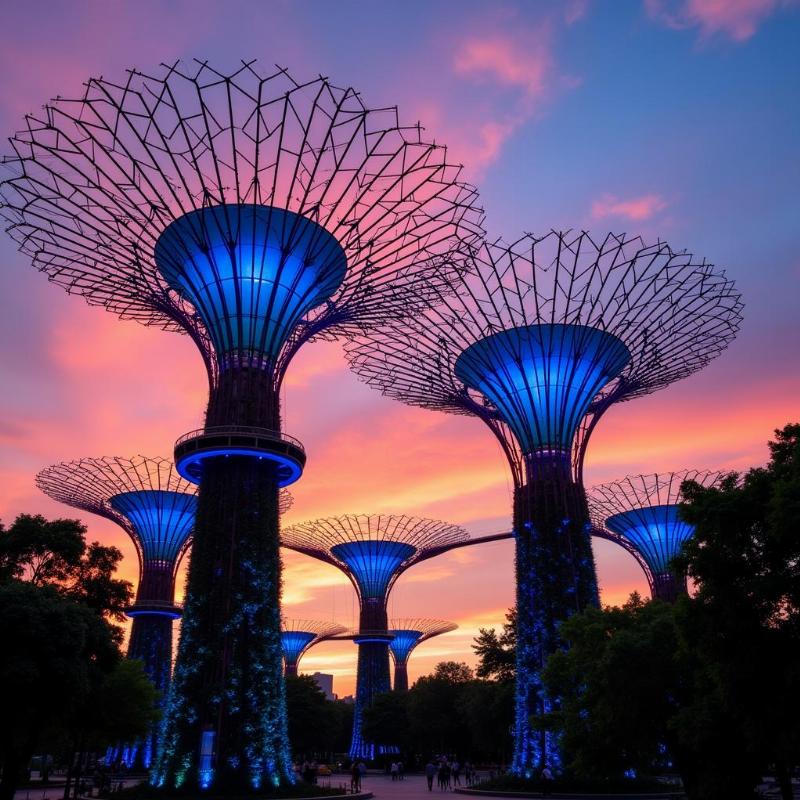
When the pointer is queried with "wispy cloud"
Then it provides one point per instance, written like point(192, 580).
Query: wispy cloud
point(736, 19)
point(634, 208)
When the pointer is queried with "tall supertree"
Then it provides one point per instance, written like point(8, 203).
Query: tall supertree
point(152, 503)
point(539, 341)
point(642, 514)
point(408, 634)
point(298, 635)
point(255, 213)
point(373, 550)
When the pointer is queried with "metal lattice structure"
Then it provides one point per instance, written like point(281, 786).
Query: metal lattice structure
point(642, 514)
point(299, 635)
point(373, 550)
point(152, 503)
point(408, 635)
point(95, 181)
point(671, 312)
point(538, 341)
point(254, 212)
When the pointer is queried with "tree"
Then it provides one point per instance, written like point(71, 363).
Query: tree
point(54, 652)
point(745, 620)
point(618, 681)
point(715, 678)
point(312, 723)
point(55, 553)
point(497, 654)
point(60, 657)
point(387, 720)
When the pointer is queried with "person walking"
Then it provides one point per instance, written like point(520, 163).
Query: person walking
point(456, 767)
point(355, 778)
point(547, 781)
point(393, 771)
point(430, 774)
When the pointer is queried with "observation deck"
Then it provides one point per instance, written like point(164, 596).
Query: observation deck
point(156, 608)
point(196, 447)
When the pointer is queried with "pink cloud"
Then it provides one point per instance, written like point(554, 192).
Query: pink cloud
point(522, 62)
point(736, 19)
point(636, 208)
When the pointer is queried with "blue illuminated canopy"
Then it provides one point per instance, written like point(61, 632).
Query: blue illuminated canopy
point(251, 272)
point(373, 563)
point(403, 643)
point(294, 644)
point(162, 521)
point(543, 378)
point(657, 532)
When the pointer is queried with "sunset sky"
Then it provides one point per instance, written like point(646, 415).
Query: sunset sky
point(676, 119)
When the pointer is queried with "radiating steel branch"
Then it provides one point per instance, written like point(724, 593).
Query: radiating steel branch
point(408, 635)
point(254, 212)
point(152, 503)
point(299, 635)
point(373, 550)
point(642, 514)
point(538, 341)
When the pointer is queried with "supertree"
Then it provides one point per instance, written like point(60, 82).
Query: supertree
point(408, 634)
point(539, 341)
point(255, 213)
point(642, 514)
point(298, 635)
point(152, 503)
point(373, 550)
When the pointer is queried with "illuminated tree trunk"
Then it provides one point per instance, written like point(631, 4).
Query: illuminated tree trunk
point(373, 675)
point(401, 676)
point(226, 722)
point(555, 579)
point(668, 587)
point(151, 643)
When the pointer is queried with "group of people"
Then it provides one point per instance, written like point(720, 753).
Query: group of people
point(357, 772)
point(396, 770)
point(448, 773)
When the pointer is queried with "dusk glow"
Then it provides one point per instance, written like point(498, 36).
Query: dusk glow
point(675, 120)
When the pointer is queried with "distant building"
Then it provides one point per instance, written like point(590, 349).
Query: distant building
point(325, 682)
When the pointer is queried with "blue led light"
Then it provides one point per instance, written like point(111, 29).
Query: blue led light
point(251, 272)
point(163, 521)
point(403, 643)
point(151, 612)
point(543, 378)
point(657, 532)
point(294, 644)
point(373, 563)
point(190, 466)
point(205, 772)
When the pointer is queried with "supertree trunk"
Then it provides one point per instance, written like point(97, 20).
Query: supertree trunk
point(373, 675)
point(668, 587)
point(401, 676)
point(290, 670)
point(555, 579)
point(151, 643)
point(229, 697)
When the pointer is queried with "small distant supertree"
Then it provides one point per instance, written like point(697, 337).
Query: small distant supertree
point(539, 341)
point(255, 213)
point(299, 635)
point(642, 514)
point(373, 550)
point(152, 503)
point(409, 634)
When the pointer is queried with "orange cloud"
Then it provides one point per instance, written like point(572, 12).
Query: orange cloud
point(736, 19)
point(636, 208)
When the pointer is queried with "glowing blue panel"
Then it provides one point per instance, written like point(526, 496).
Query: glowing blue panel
point(403, 643)
point(294, 644)
point(373, 563)
point(657, 532)
point(163, 521)
point(251, 272)
point(543, 378)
